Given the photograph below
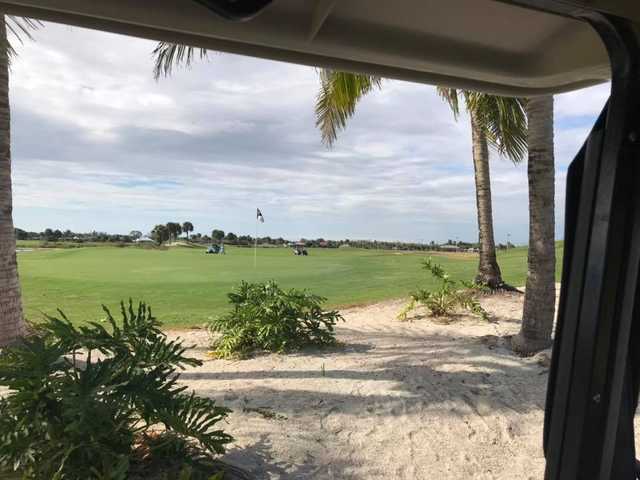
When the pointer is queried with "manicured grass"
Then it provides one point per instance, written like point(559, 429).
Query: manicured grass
point(185, 287)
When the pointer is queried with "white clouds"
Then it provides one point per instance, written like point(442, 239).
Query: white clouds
point(98, 144)
point(587, 102)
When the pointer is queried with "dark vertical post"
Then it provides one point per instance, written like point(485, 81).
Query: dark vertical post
point(592, 393)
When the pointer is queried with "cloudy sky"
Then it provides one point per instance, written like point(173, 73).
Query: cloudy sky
point(99, 145)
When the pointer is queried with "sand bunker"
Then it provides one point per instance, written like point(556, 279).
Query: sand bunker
point(400, 400)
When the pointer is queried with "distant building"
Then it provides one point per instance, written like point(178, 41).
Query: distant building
point(144, 240)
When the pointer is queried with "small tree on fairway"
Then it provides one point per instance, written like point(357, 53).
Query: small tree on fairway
point(186, 228)
point(217, 235)
point(160, 234)
point(135, 234)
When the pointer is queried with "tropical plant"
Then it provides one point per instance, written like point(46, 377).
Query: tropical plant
point(265, 317)
point(540, 294)
point(187, 227)
point(99, 400)
point(11, 320)
point(495, 121)
point(450, 296)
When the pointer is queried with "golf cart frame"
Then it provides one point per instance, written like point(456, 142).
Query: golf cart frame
point(593, 382)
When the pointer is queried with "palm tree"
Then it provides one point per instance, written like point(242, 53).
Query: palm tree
point(540, 294)
point(495, 121)
point(174, 229)
point(11, 316)
point(187, 227)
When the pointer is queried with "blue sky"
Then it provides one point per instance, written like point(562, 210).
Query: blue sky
point(99, 145)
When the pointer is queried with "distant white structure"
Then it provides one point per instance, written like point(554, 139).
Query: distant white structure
point(144, 239)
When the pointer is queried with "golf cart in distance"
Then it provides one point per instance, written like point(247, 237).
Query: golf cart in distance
point(215, 249)
point(508, 47)
point(299, 248)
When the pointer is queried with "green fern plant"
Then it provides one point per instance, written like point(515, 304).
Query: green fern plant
point(265, 317)
point(83, 399)
point(450, 295)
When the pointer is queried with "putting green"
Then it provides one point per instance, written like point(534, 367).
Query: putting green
point(185, 287)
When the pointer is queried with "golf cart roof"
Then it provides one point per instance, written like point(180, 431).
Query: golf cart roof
point(490, 45)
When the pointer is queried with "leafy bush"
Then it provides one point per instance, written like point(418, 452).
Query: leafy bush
point(448, 297)
point(85, 402)
point(265, 317)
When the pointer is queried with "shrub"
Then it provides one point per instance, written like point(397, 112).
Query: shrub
point(448, 297)
point(265, 317)
point(84, 402)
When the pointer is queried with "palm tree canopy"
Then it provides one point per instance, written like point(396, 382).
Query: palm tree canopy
point(502, 119)
point(336, 102)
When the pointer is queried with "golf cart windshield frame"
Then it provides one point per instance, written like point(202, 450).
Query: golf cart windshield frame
point(593, 383)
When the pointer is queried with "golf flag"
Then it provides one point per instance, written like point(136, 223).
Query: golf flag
point(259, 215)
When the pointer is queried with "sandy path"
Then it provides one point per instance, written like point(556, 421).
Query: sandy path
point(401, 400)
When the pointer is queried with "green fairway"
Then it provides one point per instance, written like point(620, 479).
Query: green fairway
point(185, 287)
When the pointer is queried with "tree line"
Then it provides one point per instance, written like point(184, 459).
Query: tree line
point(170, 232)
point(57, 235)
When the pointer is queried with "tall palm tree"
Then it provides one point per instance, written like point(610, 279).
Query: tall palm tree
point(539, 300)
point(11, 316)
point(187, 227)
point(495, 121)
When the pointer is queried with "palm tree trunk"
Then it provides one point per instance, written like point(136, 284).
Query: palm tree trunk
point(11, 321)
point(540, 294)
point(488, 269)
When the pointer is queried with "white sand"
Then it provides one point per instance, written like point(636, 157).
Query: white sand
point(401, 400)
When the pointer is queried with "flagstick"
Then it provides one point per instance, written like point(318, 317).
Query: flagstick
point(255, 246)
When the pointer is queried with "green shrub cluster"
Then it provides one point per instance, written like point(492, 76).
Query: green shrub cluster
point(101, 401)
point(450, 295)
point(266, 317)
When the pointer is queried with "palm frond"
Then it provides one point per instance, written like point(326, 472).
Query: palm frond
point(169, 55)
point(504, 121)
point(337, 99)
point(19, 28)
point(450, 95)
